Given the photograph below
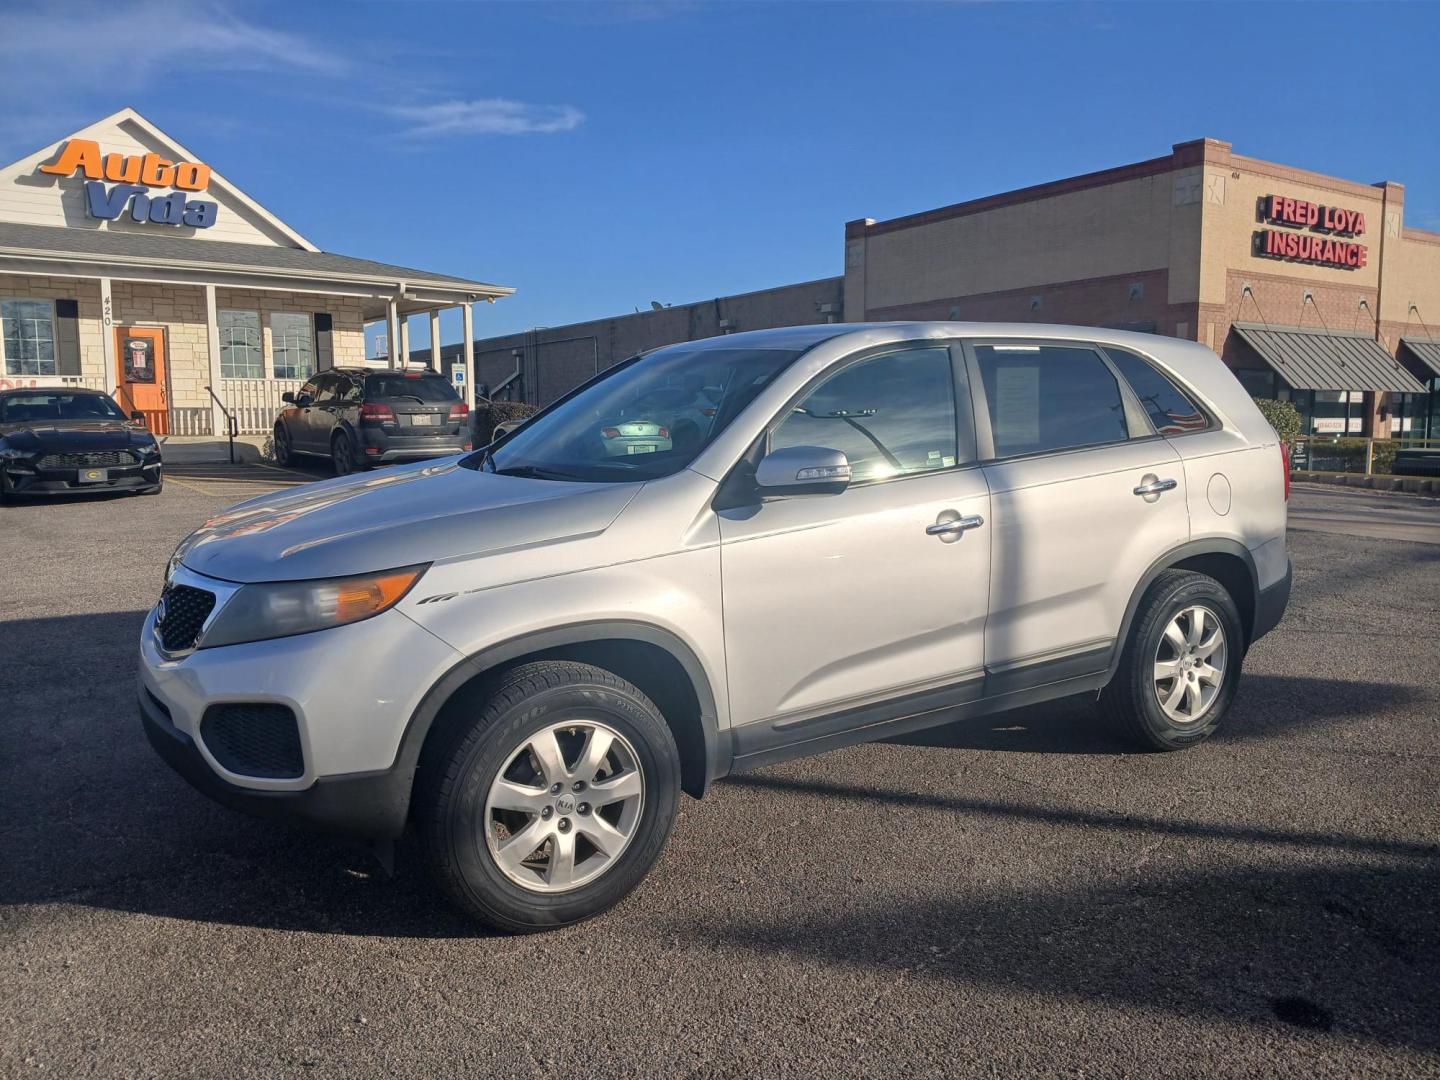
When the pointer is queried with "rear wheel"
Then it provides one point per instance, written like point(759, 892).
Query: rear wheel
point(552, 801)
point(343, 455)
point(1181, 664)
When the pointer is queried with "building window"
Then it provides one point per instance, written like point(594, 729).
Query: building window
point(29, 336)
point(292, 345)
point(241, 356)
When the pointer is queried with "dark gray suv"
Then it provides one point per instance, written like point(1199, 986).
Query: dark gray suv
point(359, 417)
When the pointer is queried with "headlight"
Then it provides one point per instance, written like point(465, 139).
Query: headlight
point(283, 608)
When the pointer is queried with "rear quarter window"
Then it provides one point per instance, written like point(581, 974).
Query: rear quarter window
point(1170, 409)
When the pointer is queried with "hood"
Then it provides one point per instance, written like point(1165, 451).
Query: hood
point(74, 435)
point(399, 517)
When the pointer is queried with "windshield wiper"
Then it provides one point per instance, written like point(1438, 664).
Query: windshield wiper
point(534, 472)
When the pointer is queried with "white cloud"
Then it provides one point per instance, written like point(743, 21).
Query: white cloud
point(487, 116)
point(118, 46)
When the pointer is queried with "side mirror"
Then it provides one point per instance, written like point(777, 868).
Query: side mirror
point(803, 470)
point(138, 418)
point(288, 397)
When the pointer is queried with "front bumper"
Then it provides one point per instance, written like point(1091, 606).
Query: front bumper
point(353, 691)
point(371, 805)
point(30, 481)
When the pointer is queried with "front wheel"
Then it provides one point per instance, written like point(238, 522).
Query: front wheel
point(552, 801)
point(1181, 663)
point(284, 453)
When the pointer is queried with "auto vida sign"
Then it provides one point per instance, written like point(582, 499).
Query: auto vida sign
point(1326, 237)
point(133, 183)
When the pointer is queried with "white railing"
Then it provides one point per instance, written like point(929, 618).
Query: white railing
point(255, 402)
point(22, 382)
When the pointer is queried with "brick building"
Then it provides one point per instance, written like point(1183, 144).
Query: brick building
point(128, 265)
point(1311, 287)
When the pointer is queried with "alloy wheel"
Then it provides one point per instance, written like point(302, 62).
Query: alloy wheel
point(564, 806)
point(1190, 664)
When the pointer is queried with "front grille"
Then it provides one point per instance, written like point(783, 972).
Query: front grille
point(184, 612)
point(252, 739)
point(95, 460)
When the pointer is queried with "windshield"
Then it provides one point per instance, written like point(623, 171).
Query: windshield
point(424, 387)
point(649, 417)
point(57, 405)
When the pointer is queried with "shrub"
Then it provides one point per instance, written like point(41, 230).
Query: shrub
point(1283, 417)
point(489, 413)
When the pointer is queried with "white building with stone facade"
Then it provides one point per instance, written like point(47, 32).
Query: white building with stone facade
point(128, 264)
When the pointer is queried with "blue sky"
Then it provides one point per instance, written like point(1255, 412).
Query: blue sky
point(598, 156)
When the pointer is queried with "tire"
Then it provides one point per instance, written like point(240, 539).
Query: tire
point(343, 456)
point(1137, 696)
point(491, 739)
point(284, 453)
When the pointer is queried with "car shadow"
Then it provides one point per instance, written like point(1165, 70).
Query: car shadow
point(1350, 948)
point(1265, 706)
point(95, 818)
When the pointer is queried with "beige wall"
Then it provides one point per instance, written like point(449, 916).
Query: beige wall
point(87, 293)
point(180, 309)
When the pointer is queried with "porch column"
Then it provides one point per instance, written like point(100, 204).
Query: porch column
point(392, 332)
point(467, 318)
point(435, 339)
point(212, 334)
point(107, 336)
point(404, 354)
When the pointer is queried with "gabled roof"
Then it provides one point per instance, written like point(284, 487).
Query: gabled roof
point(1311, 358)
point(128, 117)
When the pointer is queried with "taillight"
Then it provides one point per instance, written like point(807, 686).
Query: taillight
point(459, 411)
point(709, 412)
point(1285, 466)
point(664, 433)
point(373, 410)
point(610, 433)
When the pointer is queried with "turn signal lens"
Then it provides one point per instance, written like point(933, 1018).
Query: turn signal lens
point(284, 608)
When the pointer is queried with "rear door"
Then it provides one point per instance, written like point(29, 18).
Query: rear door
point(424, 403)
point(1084, 496)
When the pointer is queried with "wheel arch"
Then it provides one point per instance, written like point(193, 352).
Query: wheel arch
point(1227, 561)
point(656, 660)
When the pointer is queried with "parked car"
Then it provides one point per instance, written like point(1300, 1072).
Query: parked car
point(884, 528)
point(358, 417)
point(57, 440)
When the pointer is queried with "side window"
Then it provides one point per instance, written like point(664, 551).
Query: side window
point(1050, 397)
point(308, 389)
point(892, 415)
point(326, 387)
point(1166, 404)
point(351, 390)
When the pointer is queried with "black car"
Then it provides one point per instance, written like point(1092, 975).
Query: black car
point(359, 417)
point(63, 440)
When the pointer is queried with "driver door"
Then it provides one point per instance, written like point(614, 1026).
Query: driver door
point(833, 602)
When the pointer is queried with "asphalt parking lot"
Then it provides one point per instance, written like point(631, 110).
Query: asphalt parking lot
point(1020, 896)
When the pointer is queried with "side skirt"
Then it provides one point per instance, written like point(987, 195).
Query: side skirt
point(767, 742)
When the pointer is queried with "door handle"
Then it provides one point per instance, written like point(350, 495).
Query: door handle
point(959, 525)
point(1155, 487)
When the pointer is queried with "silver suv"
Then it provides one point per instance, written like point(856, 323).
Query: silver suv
point(528, 652)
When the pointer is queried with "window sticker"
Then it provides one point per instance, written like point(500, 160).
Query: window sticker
point(1017, 403)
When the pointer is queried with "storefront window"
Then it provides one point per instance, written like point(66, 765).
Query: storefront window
point(29, 336)
point(1258, 382)
point(292, 345)
point(240, 351)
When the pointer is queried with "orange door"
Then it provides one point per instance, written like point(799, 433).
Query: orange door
point(140, 375)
